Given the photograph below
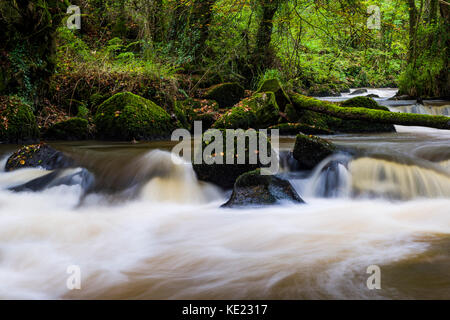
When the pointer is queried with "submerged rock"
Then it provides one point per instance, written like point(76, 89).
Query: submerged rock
point(68, 177)
point(39, 155)
point(254, 189)
point(72, 129)
point(309, 151)
point(126, 116)
point(226, 94)
point(358, 91)
point(17, 121)
point(258, 112)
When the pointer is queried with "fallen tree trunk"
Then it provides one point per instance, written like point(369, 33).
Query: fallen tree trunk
point(301, 102)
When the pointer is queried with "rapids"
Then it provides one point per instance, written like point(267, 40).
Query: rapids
point(147, 229)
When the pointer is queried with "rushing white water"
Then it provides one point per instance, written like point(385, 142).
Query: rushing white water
point(174, 242)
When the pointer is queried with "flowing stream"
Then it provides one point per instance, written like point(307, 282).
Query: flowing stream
point(145, 228)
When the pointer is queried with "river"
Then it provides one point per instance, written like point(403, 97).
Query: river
point(149, 230)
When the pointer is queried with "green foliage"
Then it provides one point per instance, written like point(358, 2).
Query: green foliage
point(17, 121)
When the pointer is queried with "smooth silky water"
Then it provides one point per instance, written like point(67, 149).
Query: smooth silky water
point(149, 230)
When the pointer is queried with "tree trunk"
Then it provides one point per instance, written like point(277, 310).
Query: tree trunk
point(444, 79)
point(412, 30)
point(262, 53)
point(199, 22)
point(377, 116)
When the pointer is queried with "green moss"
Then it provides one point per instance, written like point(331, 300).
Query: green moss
point(17, 121)
point(274, 85)
point(258, 112)
point(72, 129)
point(373, 116)
point(96, 99)
point(226, 94)
point(363, 102)
point(126, 116)
point(309, 151)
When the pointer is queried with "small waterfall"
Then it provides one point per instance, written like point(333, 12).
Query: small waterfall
point(331, 179)
point(435, 110)
point(388, 179)
point(173, 181)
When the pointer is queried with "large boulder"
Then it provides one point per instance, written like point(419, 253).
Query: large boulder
point(257, 112)
point(17, 121)
point(274, 85)
point(225, 175)
point(71, 129)
point(309, 151)
point(254, 189)
point(38, 156)
point(226, 94)
point(126, 116)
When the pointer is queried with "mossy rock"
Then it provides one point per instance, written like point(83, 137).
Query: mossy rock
point(258, 112)
point(38, 155)
point(309, 151)
point(323, 90)
point(17, 121)
point(225, 175)
point(293, 129)
point(363, 102)
point(96, 99)
point(72, 129)
point(126, 116)
point(254, 189)
point(274, 85)
point(226, 94)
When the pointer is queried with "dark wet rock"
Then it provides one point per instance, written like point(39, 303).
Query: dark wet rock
point(373, 96)
point(226, 94)
point(309, 151)
point(57, 178)
point(292, 129)
point(359, 91)
point(254, 189)
point(39, 155)
point(225, 175)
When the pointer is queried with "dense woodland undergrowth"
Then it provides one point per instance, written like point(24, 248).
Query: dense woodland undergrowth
point(170, 51)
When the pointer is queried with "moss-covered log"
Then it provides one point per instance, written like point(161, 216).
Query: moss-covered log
point(301, 102)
